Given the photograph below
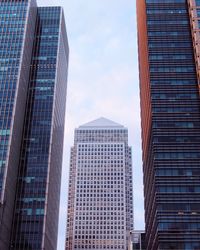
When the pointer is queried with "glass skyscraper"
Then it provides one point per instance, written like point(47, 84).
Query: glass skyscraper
point(33, 80)
point(100, 202)
point(168, 32)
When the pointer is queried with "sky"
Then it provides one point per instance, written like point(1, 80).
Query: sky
point(102, 81)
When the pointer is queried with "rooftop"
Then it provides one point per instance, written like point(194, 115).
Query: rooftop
point(101, 123)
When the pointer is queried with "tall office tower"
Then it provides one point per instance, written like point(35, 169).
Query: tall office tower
point(33, 78)
point(100, 202)
point(17, 20)
point(170, 108)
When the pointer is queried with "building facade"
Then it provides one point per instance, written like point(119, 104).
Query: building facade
point(16, 34)
point(33, 79)
point(100, 202)
point(170, 110)
point(137, 240)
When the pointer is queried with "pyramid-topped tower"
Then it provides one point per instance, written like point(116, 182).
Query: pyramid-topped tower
point(100, 205)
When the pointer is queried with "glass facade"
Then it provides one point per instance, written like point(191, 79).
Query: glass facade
point(12, 26)
point(35, 168)
point(171, 141)
point(17, 20)
point(33, 80)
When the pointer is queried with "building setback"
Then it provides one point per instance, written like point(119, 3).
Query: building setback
point(100, 202)
point(170, 112)
point(33, 80)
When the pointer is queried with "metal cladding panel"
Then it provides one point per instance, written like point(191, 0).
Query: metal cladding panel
point(193, 7)
point(145, 97)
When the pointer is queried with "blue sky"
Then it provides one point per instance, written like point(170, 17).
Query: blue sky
point(103, 80)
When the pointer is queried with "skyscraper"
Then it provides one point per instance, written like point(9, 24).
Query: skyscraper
point(170, 110)
point(33, 79)
point(100, 202)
